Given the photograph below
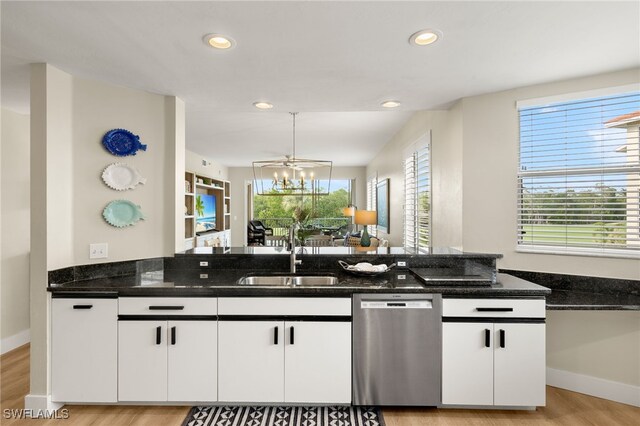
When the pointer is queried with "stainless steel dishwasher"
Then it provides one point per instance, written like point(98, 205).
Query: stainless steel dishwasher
point(397, 349)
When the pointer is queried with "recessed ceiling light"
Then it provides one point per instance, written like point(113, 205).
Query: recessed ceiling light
point(263, 105)
point(219, 41)
point(425, 37)
point(390, 104)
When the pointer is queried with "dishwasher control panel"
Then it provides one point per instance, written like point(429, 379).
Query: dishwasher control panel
point(396, 304)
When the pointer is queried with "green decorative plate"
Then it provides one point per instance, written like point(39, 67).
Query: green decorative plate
point(122, 213)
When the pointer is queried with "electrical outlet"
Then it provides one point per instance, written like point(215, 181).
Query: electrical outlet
point(402, 264)
point(98, 251)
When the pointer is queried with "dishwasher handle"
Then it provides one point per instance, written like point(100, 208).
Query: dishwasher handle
point(396, 304)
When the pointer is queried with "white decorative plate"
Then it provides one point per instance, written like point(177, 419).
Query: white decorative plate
point(120, 176)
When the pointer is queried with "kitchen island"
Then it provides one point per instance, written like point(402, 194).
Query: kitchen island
point(188, 329)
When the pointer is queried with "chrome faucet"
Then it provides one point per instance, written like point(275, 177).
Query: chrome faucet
point(292, 247)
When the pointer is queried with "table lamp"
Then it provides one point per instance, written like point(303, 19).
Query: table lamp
point(365, 217)
point(349, 211)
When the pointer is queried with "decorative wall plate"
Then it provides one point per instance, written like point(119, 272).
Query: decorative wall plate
point(121, 213)
point(120, 176)
point(122, 142)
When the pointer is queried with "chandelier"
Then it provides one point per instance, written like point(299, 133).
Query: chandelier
point(291, 175)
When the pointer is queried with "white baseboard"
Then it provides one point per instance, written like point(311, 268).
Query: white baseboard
point(10, 343)
point(40, 403)
point(594, 386)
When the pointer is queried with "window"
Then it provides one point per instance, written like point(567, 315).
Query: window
point(417, 189)
point(277, 211)
point(579, 176)
point(372, 184)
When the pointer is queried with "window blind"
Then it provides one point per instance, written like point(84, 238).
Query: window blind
point(579, 176)
point(372, 184)
point(417, 209)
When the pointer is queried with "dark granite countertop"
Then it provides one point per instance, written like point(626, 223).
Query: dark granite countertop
point(224, 283)
point(215, 272)
point(576, 292)
point(584, 300)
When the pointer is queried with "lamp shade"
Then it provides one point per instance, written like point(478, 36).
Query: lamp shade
point(349, 211)
point(366, 217)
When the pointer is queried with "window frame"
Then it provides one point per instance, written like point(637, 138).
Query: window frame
point(419, 156)
point(372, 199)
point(609, 171)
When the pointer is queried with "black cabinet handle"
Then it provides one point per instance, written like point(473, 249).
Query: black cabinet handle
point(487, 337)
point(275, 336)
point(494, 309)
point(165, 308)
point(502, 339)
point(82, 306)
point(173, 335)
point(158, 335)
point(291, 335)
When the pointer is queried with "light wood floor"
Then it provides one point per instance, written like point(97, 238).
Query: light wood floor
point(563, 408)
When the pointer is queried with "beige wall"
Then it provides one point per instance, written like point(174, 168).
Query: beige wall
point(51, 204)
point(97, 108)
point(601, 344)
point(474, 157)
point(69, 116)
point(474, 167)
point(211, 168)
point(14, 216)
point(175, 161)
point(238, 176)
point(490, 165)
point(446, 167)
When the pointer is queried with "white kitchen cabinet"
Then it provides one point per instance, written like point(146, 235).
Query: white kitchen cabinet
point(192, 361)
point(478, 370)
point(164, 352)
point(467, 364)
point(251, 361)
point(317, 362)
point(84, 354)
point(265, 361)
point(171, 360)
point(493, 352)
point(519, 366)
point(142, 360)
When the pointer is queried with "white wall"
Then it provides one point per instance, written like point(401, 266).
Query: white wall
point(69, 116)
point(490, 165)
point(14, 215)
point(238, 176)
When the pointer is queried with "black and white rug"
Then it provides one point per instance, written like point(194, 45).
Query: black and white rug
point(284, 416)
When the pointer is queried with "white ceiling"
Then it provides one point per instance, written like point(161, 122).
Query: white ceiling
point(334, 62)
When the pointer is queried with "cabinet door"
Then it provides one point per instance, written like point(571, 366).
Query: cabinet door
point(467, 363)
point(142, 361)
point(318, 362)
point(519, 365)
point(192, 361)
point(84, 350)
point(251, 361)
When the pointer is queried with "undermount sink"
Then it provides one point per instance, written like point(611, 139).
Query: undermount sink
point(288, 280)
